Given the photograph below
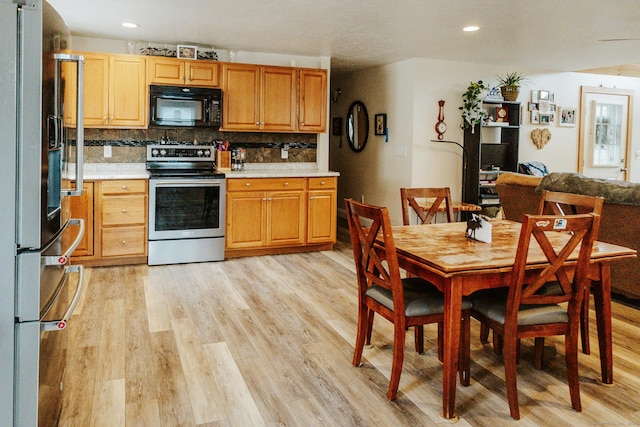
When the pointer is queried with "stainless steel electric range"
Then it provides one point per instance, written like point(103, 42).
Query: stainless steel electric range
point(186, 204)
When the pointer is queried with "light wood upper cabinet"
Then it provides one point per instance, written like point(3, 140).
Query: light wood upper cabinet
point(312, 101)
point(115, 91)
point(259, 98)
point(172, 71)
point(241, 92)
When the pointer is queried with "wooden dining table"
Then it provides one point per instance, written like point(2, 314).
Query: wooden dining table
point(458, 266)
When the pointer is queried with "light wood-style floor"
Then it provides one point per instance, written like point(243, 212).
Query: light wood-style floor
point(269, 340)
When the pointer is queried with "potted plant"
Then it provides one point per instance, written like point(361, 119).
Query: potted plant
point(472, 111)
point(510, 85)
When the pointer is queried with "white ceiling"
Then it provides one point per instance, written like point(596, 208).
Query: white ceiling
point(546, 34)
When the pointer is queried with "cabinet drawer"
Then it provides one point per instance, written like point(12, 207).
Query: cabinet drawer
point(123, 210)
point(137, 186)
point(124, 241)
point(265, 184)
point(322, 183)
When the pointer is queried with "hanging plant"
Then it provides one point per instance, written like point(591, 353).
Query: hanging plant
point(472, 111)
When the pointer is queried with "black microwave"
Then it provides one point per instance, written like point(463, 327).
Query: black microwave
point(185, 106)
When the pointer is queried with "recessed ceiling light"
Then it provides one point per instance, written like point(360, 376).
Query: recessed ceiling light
point(129, 25)
point(471, 28)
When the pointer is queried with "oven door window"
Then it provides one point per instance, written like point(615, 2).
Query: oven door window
point(179, 112)
point(187, 208)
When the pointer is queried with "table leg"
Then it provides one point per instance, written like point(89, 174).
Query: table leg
point(602, 299)
point(452, 316)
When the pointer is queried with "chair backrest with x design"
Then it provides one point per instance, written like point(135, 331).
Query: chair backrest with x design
point(426, 216)
point(545, 231)
point(557, 203)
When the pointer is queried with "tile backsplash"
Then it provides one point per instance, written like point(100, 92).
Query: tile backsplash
point(129, 145)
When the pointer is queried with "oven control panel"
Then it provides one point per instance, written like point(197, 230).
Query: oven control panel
point(185, 153)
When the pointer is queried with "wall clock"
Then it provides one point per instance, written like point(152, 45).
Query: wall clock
point(441, 126)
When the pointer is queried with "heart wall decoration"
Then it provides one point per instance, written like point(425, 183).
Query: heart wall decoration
point(540, 137)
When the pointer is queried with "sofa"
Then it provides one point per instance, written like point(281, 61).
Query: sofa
point(620, 223)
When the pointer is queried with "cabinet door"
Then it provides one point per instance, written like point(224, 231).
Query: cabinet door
point(127, 94)
point(82, 207)
point(96, 90)
point(241, 88)
point(286, 218)
point(165, 71)
point(202, 73)
point(248, 210)
point(69, 77)
point(278, 96)
point(322, 217)
point(312, 103)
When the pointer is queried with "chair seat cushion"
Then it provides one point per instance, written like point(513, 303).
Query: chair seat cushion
point(493, 304)
point(421, 298)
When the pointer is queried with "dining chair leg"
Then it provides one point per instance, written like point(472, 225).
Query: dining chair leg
point(362, 334)
point(419, 339)
point(370, 314)
point(510, 359)
point(484, 333)
point(538, 354)
point(584, 321)
point(497, 343)
point(464, 357)
point(398, 358)
point(441, 342)
point(571, 356)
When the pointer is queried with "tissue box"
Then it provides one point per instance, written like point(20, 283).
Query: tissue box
point(479, 229)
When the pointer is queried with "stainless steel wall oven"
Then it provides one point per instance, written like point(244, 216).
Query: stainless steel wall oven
point(186, 205)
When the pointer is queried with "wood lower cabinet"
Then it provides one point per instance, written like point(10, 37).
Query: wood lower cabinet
point(116, 222)
point(170, 71)
point(279, 215)
point(322, 220)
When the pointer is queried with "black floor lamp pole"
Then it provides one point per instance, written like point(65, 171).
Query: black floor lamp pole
point(464, 164)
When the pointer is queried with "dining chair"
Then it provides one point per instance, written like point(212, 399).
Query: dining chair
point(559, 203)
point(406, 302)
point(526, 310)
point(409, 196)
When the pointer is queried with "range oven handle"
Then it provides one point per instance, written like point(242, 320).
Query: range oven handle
point(186, 182)
point(60, 324)
point(79, 60)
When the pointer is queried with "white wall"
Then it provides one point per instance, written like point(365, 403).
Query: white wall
point(408, 92)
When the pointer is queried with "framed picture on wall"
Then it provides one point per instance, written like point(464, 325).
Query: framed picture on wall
point(187, 52)
point(381, 124)
point(567, 116)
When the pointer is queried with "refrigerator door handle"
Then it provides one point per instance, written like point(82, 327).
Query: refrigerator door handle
point(62, 259)
point(79, 60)
point(58, 325)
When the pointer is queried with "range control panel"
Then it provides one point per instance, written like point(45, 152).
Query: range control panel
point(180, 153)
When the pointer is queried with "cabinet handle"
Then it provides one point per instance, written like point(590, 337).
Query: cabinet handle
point(322, 183)
point(258, 123)
point(124, 242)
point(286, 183)
point(124, 187)
point(248, 184)
point(124, 211)
point(270, 198)
point(111, 118)
point(104, 119)
point(264, 199)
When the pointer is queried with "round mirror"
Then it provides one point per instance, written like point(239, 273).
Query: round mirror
point(357, 126)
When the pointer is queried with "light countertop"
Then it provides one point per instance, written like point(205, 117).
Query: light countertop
point(98, 171)
point(280, 170)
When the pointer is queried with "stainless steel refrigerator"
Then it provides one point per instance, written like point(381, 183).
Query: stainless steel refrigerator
point(39, 289)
